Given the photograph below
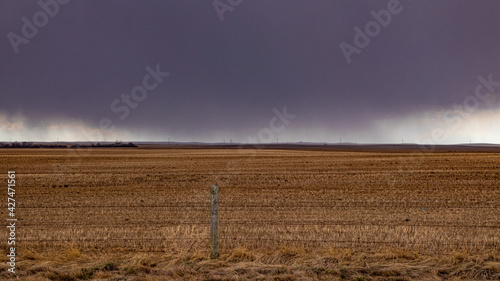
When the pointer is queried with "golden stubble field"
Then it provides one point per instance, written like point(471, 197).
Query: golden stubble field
point(143, 214)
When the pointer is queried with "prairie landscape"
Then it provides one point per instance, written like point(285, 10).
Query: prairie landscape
point(285, 214)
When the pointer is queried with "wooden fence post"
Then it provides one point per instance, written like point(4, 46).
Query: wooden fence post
point(214, 221)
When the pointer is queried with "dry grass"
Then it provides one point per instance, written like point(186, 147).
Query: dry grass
point(285, 215)
point(243, 264)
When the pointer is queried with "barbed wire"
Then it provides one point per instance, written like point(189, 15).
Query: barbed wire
point(361, 242)
point(377, 206)
point(279, 188)
point(324, 204)
point(206, 239)
point(20, 240)
point(256, 223)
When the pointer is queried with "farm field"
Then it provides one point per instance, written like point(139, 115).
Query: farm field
point(143, 214)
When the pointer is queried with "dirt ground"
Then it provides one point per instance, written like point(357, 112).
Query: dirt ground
point(143, 214)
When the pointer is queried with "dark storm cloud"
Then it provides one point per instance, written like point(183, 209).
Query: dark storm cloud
point(226, 77)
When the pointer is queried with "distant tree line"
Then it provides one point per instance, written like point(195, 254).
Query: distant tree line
point(74, 145)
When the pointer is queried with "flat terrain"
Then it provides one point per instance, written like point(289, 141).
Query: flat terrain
point(285, 214)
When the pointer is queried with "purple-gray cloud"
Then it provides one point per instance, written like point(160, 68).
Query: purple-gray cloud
point(226, 77)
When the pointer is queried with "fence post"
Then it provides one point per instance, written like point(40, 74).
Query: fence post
point(214, 221)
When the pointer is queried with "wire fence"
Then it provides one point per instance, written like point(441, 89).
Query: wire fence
point(300, 223)
point(52, 233)
point(352, 205)
point(280, 223)
point(249, 239)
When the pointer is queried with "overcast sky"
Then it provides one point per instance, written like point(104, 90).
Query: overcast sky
point(343, 69)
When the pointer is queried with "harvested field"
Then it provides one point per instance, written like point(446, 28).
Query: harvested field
point(283, 213)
